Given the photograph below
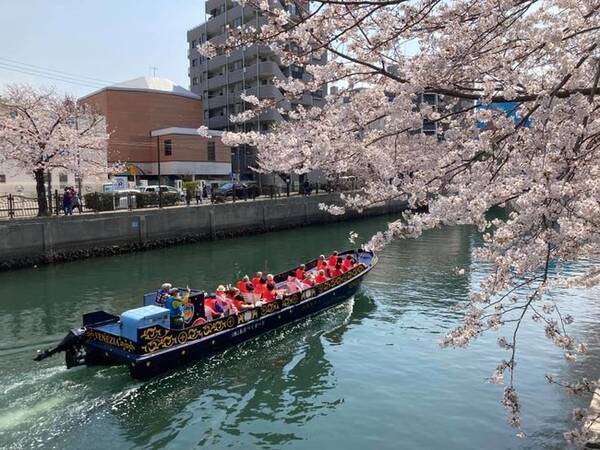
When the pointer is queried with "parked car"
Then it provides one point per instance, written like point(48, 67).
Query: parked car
point(242, 190)
point(163, 188)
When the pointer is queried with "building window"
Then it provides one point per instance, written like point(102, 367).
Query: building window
point(194, 62)
point(430, 99)
point(195, 81)
point(429, 127)
point(210, 150)
point(194, 44)
point(168, 144)
point(238, 22)
point(237, 65)
point(2, 178)
point(296, 71)
point(63, 179)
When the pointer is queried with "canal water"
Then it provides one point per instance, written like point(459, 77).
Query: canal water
point(368, 374)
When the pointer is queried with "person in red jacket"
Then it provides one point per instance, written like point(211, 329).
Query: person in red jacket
point(242, 285)
point(256, 279)
point(320, 278)
point(262, 286)
point(301, 272)
point(336, 271)
point(269, 294)
point(238, 301)
point(321, 263)
point(347, 264)
point(210, 307)
point(333, 259)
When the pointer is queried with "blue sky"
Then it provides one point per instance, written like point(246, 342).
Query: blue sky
point(112, 40)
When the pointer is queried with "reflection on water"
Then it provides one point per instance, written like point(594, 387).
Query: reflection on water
point(365, 374)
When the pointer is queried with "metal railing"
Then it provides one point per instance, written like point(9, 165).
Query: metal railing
point(18, 206)
point(12, 206)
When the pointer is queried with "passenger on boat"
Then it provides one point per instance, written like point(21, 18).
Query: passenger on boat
point(328, 273)
point(321, 263)
point(239, 302)
point(212, 310)
point(224, 301)
point(269, 294)
point(309, 281)
point(256, 279)
point(262, 286)
point(333, 259)
point(174, 304)
point(250, 297)
point(321, 277)
point(271, 280)
point(162, 294)
point(336, 271)
point(301, 272)
point(242, 285)
point(347, 264)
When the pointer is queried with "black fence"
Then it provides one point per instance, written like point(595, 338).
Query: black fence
point(12, 206)
point(16, 206)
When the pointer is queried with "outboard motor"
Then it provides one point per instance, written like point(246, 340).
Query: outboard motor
point(71, 344)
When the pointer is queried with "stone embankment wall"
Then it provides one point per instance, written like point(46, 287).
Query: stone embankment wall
point(28, 242)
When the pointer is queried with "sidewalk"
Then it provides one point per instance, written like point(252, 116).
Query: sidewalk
point(32, 214)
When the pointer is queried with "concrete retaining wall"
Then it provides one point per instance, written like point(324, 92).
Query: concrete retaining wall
point(24, 243)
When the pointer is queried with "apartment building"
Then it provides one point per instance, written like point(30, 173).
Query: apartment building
point(220, 80)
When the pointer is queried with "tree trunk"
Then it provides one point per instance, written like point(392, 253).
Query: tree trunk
point(41, 192)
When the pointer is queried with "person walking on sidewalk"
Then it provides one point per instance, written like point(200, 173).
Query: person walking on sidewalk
point(198, 194)
point(75, 201)
point(67, 202)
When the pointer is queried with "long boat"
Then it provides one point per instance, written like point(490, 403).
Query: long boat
point(143, 340)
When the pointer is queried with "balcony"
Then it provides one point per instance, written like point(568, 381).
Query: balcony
point(215, 82)
point(221, 100)
point(217, 122)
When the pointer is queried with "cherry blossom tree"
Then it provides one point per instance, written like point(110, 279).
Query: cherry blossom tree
point(42, 131)
point(421, 115)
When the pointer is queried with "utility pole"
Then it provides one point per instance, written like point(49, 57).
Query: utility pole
point(158, 161)
point(154, 70)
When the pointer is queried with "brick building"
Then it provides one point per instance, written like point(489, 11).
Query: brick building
point(153, 125)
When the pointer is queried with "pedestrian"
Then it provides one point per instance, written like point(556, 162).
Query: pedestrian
point(75, 201)
point(188, 196)
point(67, 198)
point(198, 194)
point(205, 191)
point(306, 188)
